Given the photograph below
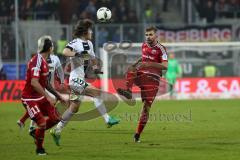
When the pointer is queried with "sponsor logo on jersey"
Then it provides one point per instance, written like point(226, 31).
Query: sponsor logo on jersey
point(154, 51)
point(148, 57)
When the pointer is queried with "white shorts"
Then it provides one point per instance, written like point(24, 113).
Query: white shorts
point(77, 86)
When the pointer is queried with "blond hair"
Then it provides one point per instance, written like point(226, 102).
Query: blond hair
point(41, 42)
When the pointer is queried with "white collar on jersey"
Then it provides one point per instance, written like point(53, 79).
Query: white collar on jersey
point(154, 45)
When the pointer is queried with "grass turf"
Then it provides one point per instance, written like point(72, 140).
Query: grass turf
point(198, 129)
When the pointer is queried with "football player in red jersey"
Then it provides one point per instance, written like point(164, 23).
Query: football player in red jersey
point(35, 98)
point(56, 77)
point(146, 73)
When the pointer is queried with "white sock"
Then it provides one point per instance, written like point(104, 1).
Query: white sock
point(32, 124)
point(101, 108)
point(67, 115)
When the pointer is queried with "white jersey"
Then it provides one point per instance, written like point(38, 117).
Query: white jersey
point(55, 66)
point(79, 45)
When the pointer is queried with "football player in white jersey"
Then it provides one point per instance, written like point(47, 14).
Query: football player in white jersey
point(80, 49)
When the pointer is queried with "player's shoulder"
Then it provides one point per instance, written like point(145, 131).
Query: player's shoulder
point(89, 42)
point(161, 47)
point(36, 60)
point(53, 56)
point(74, 44)
point(74, 41)
point(144, 44)
point(79, 40)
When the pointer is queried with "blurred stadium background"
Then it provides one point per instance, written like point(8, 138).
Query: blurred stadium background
point(177, 20)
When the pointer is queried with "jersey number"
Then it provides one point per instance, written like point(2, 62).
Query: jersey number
point(33, 111)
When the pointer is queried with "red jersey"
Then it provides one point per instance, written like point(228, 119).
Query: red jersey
point(156, 54)
point(37, 68)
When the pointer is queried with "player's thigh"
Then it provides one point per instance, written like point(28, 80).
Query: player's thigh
point(97, 93)
point(77, 85)
point(137, 80)
point(35, 113)
point(92, 91)
point(149, 91)
point(50, 111)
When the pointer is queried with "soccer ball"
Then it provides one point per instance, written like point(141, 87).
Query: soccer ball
point(104, 14)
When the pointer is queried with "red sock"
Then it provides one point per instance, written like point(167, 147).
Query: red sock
point(143, 119)
point(24, 117)
point(50, 123)
point(39, 137)
point(130, 79)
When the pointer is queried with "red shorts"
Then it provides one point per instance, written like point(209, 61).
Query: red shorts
point(39, 108)
point(149, 85)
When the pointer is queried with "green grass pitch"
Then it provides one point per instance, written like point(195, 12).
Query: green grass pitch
point(186, 130)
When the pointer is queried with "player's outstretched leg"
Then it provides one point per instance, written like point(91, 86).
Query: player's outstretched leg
point(98, 95)
point(142, 121)
point(109, 120)
point(130, 77)
point(67, 115)
point(127, 93)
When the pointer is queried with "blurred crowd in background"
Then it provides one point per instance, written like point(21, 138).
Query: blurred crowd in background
point(69, 11)
point(209, 10)
point(66, 11)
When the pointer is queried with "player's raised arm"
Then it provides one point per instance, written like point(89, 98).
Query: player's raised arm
point(68, 52)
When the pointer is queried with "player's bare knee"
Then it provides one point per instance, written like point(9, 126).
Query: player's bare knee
point(74, 107)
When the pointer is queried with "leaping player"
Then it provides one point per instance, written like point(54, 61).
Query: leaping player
point(80, 49)
point(146, 73)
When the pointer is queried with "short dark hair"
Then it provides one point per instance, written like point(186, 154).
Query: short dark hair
point(151, 28)
point(82, 27)
point(47, 45)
